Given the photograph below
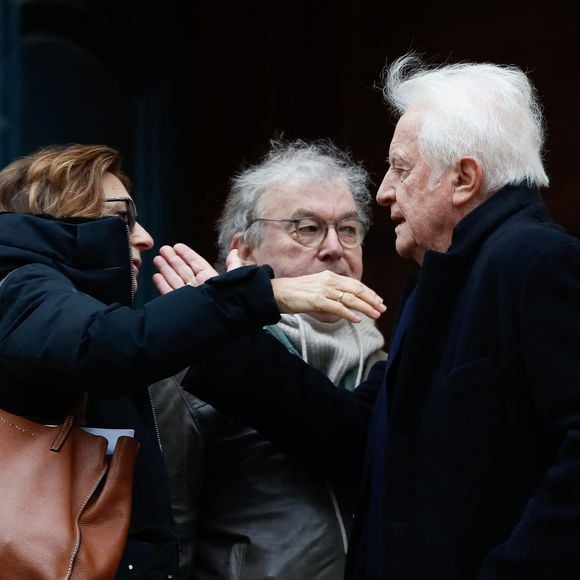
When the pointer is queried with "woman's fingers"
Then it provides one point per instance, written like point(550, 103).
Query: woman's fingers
point(161, 284)
point(179, 265)
point(181, 268)
point(166, 267)
point(201, 269)
point(328, 293)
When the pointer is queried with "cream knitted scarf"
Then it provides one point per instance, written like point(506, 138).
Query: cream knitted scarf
point(335, 348)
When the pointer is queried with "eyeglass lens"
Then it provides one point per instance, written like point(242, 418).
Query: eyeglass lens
point(312, 231)
point(130, 215)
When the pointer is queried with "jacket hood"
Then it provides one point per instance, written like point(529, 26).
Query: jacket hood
point(94, 253)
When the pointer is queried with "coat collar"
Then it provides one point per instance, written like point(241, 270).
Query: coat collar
point(93, 253)
point(477, 226)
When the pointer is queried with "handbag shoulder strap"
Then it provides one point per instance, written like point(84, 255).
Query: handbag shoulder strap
point(77, 416)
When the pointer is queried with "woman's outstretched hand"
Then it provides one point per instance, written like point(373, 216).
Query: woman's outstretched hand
point(327, 293)
point(178, 266)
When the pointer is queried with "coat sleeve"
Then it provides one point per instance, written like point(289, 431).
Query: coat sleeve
point(49, 329)
point(256, 379)
point(545, 542)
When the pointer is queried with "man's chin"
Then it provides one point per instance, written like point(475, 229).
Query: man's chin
point(404, 248)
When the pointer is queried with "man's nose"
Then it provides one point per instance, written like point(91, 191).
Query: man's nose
point(331, 248)
point(386, 192)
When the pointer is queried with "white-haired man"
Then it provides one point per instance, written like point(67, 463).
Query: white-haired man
point(473, 457)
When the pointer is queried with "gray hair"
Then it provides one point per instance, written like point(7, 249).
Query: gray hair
point(487, 111)
point(288, 162)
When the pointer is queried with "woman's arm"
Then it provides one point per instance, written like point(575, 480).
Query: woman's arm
point(49, 329)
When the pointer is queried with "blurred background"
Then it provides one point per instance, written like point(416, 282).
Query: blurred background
point(191, 92)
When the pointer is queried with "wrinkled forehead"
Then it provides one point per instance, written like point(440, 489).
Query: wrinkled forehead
point(407, 130)
point(322, 197)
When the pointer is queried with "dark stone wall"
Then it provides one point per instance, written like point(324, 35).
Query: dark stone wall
point(190, 92)
point(311, 69)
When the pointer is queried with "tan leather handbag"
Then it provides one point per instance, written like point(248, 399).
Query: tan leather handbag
point(65, 505)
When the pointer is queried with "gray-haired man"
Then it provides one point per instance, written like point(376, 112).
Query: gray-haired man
point(244, 509)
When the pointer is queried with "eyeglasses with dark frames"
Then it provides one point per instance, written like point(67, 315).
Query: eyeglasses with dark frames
point(312, 231)
point(130, 215)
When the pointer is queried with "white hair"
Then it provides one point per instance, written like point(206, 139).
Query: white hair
point(487, 111)
point(287, 162)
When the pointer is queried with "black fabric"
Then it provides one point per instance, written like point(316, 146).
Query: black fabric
point(370, 552)
point(482, 460)
point(66, 325)
point(298, 408)
point(243, 509)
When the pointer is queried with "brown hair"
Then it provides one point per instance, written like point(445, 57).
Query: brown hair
point(60, 180)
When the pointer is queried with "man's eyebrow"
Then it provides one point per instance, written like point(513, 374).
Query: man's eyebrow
point(302, 212)
point(396, 158)
point(305, 212)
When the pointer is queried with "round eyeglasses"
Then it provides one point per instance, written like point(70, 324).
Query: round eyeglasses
point(129, 216)
point(312, 231)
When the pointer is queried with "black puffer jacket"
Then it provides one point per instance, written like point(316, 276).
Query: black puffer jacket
point(66, 325)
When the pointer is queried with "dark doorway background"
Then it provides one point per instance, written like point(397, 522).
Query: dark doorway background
point(191, 92)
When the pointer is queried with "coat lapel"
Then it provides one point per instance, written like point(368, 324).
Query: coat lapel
point(438, 288)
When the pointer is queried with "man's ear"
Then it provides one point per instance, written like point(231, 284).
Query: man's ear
point(245, 251)
point(468, 181)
